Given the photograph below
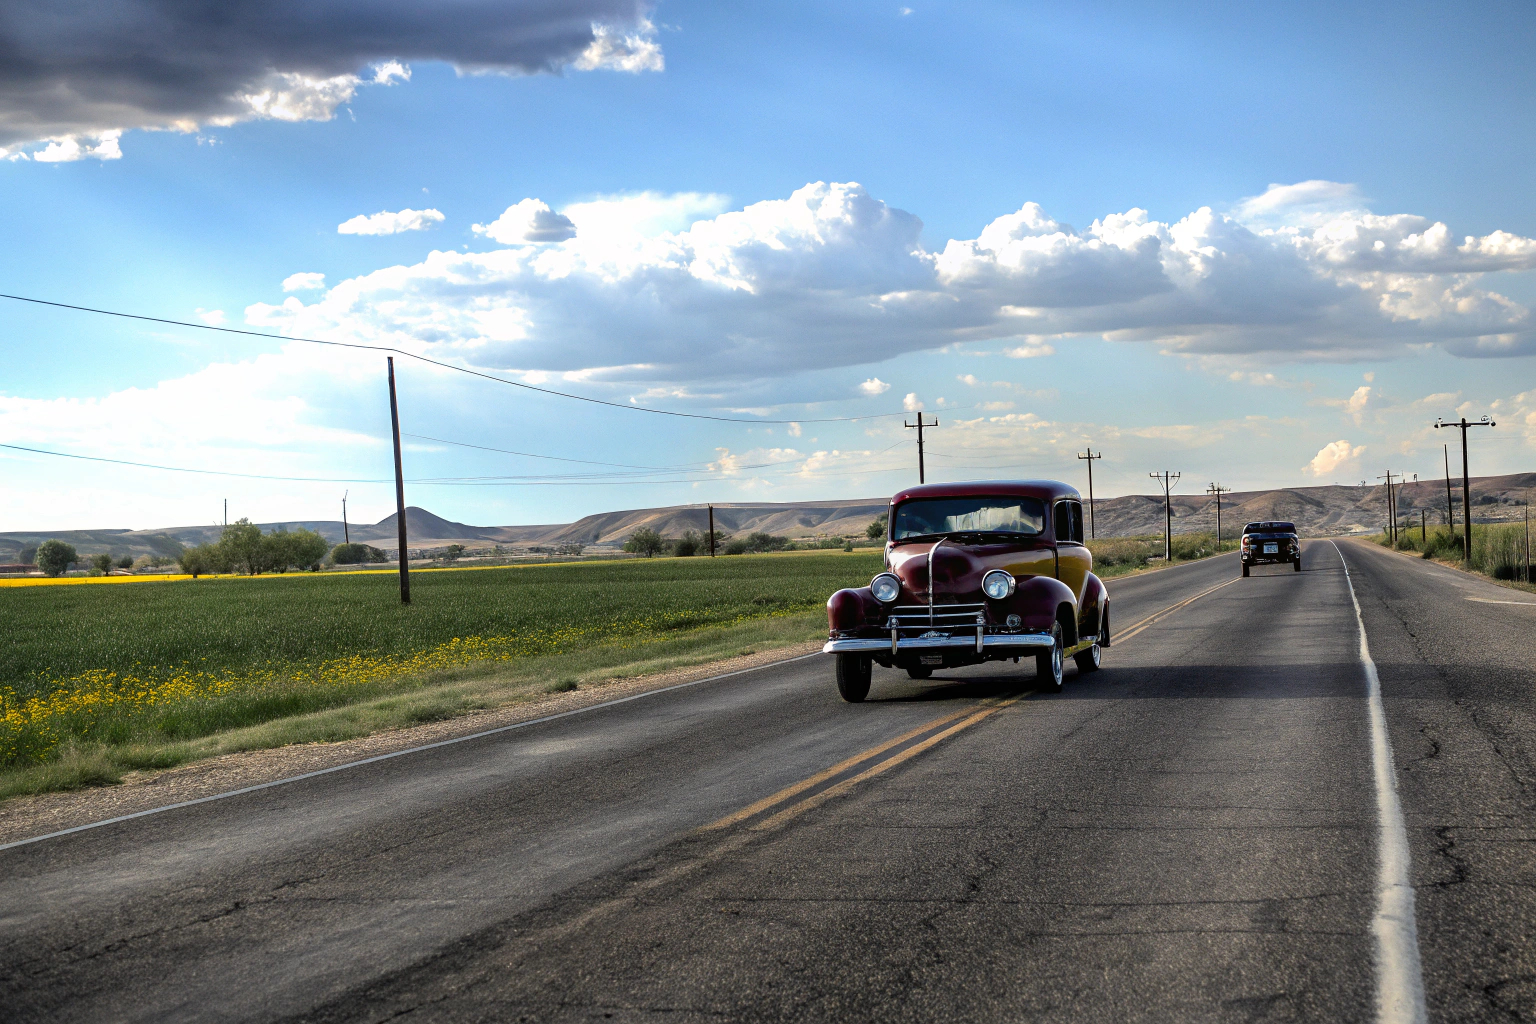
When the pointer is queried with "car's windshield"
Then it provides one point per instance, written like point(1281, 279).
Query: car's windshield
point(927, 517)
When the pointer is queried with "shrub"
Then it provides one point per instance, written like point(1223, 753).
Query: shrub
point(101, 563)
point(242, 547)
point(689, 544)
point(645, 541)
point(54, 556)
point(735, 547)
point(126, 562)
point(563, 549)
point(203, 560)
point(1129, 552)
point(877, 529)
point(763, 542)
point(1193, 545)
point(356, 554)
point(452, 552)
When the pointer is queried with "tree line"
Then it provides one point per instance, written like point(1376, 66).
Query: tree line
point(242, 548)
point(646, 541)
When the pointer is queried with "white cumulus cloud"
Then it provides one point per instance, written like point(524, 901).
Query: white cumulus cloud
point(874, 386)
point(912, 403)
point(528, 221)
point(1333, 456)
point(303, 282)
point(386, 223)
point(665, 291)
point(612, 49)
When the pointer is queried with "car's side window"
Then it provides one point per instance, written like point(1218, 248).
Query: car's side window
point(1061, 517)
point(1077, 521)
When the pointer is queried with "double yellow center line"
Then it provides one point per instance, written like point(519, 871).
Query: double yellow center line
point(792, 801)
point(1158, 616)
point(795, 800)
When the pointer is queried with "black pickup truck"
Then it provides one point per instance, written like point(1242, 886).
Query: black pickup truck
point(1269, 543)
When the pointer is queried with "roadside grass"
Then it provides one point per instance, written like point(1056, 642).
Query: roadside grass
point(1118, 556)
point(79, 764)
point(101, 680)
point(1498, 550)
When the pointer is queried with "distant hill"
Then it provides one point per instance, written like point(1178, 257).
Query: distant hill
point(1317, 511)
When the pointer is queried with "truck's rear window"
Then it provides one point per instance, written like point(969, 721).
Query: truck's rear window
point(926, 517)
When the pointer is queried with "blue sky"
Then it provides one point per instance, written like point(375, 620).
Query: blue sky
point(724, 261)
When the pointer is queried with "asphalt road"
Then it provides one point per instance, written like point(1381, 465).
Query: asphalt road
point(1192, 833)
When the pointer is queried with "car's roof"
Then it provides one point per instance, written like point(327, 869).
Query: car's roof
point(1277, 525)
point(1046, 490)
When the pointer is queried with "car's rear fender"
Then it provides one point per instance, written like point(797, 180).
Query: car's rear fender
point(1095, 599)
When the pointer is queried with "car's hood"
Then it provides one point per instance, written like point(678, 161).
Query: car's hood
point(957, 568)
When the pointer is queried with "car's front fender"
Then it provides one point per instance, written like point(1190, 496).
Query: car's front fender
point(1037, 599)
point(852, 608)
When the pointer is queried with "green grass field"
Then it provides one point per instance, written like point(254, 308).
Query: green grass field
point(57, 632)
point(129, 676)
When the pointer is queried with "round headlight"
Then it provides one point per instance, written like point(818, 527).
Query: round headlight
point(997, 584)
point(885, 587)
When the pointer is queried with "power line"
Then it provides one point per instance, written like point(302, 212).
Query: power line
point(502, 480)
point(438, 363)
point(203, 472)
point(552, 458)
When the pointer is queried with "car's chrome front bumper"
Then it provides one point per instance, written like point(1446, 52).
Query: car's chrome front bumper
point(957, 640)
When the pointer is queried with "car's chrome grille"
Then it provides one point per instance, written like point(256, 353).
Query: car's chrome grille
point(943, 616)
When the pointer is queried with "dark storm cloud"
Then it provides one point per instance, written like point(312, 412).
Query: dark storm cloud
point(81, 67)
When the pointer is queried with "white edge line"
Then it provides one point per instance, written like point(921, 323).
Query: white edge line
point(1399, 976)
point(399, 753)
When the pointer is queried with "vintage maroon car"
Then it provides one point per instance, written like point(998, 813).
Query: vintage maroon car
point(981, 571)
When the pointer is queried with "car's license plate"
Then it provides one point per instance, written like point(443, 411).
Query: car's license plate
point(1271, 549)
point(931, 659)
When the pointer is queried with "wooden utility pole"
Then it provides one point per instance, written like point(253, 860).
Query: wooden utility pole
point(919, 425)
point(1391, 530)
point(346, 534)
point(1218, 490)
point(1167, 479)
point(405, 551)
point(1450, 518)
point(711, 531)
point(1466, 480)
point(1089, 459)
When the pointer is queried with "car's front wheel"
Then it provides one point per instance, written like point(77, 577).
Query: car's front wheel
point(1049, 664)
point(853, 674)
